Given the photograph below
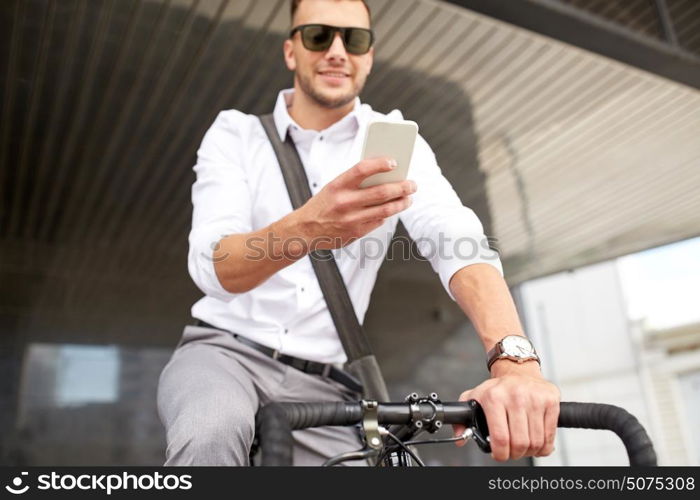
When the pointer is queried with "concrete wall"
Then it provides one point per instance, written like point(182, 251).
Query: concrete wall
point(577, 321)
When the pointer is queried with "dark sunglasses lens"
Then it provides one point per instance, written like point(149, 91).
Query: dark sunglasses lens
point(357, 41)
point(317, 37)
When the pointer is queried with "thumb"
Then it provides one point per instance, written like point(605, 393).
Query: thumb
point(458, 429)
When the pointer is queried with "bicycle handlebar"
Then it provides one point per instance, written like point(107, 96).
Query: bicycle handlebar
point(640, 449)
point(276, 421)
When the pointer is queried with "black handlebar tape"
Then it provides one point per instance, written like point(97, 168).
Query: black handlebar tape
point(304, 415)
point(276, 421)
point(640, 449)
point(274, 435)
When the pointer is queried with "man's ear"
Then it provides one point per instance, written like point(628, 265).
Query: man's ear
point(288, 50)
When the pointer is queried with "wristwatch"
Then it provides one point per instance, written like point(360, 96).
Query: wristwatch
point(514, 347)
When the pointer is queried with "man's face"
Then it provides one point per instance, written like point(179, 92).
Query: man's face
point(332, 78)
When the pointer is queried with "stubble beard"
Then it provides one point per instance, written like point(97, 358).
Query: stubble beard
point(323, 100)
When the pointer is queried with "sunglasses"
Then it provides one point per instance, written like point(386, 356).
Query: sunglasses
point(319, 37)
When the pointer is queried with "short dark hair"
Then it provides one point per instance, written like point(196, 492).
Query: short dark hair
point(295, 5)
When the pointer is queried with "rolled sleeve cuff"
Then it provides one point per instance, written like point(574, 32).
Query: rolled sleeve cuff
point(200, 263)
point(455, 242)
point(447, 267)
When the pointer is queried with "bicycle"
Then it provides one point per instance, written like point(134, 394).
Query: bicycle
point(389, 430)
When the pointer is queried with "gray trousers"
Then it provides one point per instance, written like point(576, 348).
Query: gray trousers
point(211, 389)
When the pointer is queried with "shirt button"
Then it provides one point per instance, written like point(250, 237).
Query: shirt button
point(314, 184)
point(302, 288)
point(320, 137)
point(286, 330)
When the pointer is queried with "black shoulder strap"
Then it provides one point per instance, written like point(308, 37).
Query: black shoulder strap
point(352, 336)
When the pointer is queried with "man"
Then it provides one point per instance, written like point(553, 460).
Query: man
point(248, 254)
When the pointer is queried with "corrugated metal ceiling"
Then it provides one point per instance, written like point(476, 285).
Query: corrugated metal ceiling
point(568, 157)
point(641, 16)
point(585, 158)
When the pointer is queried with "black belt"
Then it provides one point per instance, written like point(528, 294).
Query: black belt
point(304, 365)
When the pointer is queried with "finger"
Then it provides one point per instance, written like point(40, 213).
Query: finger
point(535, 422)
point(499, 435)
point(376, 195)
point(551, 418)
point(385, 210)
point(457, 431)
point(519, 431)
point(354, 176)
point(467, 395)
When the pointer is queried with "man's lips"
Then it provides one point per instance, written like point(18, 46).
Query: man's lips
point(334, 73)
point(332, 76)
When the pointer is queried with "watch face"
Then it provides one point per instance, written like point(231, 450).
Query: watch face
point(514, 345)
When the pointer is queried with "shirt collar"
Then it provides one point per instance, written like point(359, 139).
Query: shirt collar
point(283, 121)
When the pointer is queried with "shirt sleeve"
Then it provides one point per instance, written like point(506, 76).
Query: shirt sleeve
point(221, 200)
point(447, 233)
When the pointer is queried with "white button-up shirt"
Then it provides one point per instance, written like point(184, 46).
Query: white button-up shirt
point(240, 188)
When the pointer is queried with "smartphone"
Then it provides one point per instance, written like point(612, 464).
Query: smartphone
point(392, 139)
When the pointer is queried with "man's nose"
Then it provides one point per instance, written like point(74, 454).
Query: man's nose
point(337, 48)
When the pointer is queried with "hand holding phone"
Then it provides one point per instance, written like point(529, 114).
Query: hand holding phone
point(393, 140)
point(343, 211)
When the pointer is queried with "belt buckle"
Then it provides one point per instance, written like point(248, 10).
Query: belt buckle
point(276, 354)
point(326, 370)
